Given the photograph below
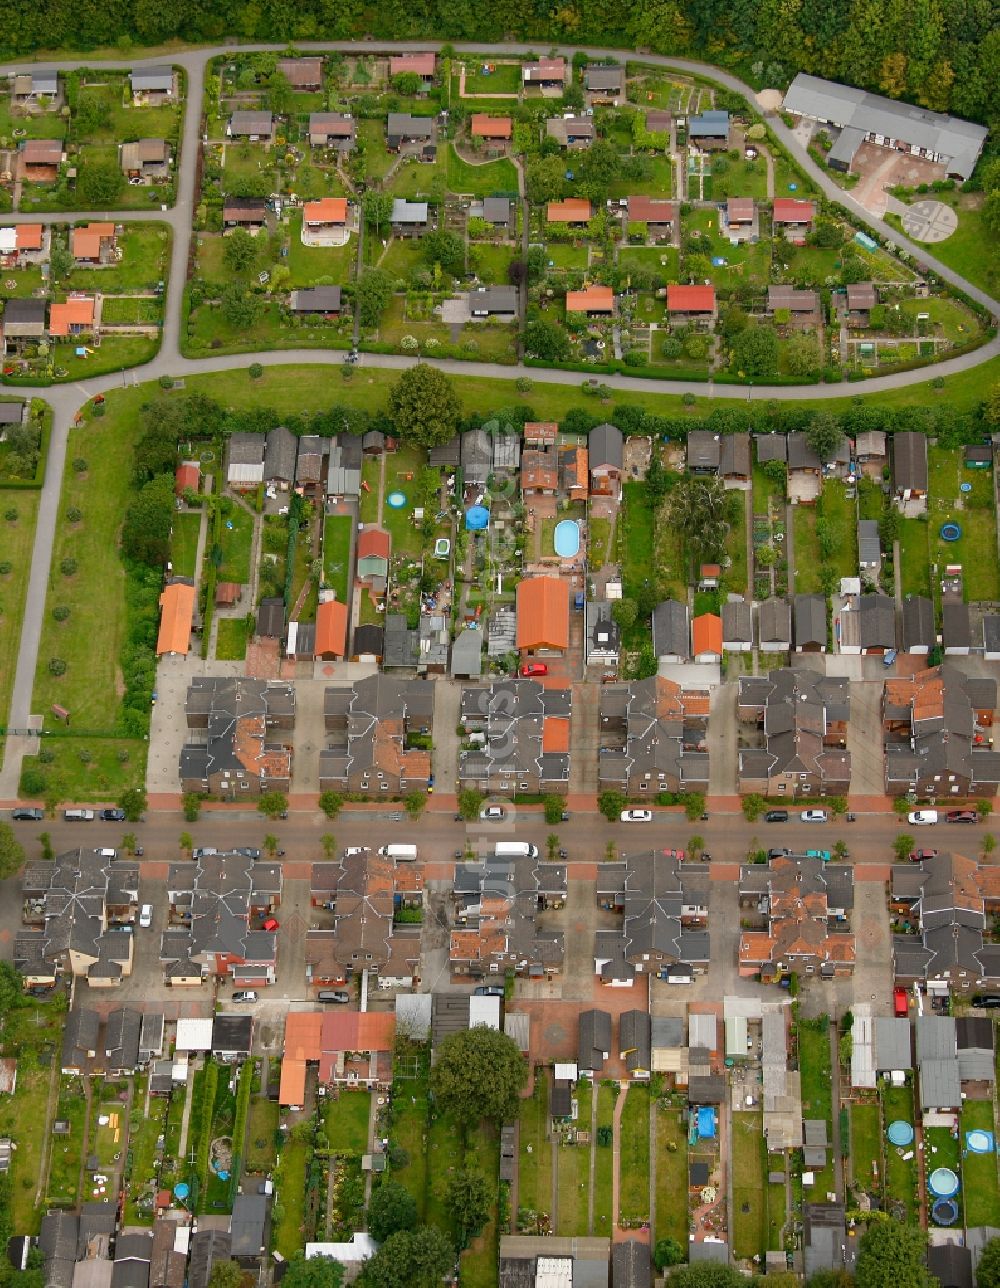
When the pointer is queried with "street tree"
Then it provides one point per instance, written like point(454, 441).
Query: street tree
point(424, 406)
point(331, 803)
point(416, 803)
point(470, 802)
point(273, 804)
point(902, 846)
point(134, 802)
point(392, 1208)
point(553, 807)
point(478, 1074)
point(611, 805)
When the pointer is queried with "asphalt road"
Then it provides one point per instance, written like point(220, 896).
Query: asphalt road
point(66, 400)
point(586, 836)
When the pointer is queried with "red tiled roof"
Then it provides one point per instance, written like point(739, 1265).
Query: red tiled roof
point(690, 299)
point(373, 541)
point(187, 475)
point(542, 613)
point(485, 126)
point(77, 312)
point(177, 612)
point(592, 300)
point(706, 634)
point(29, 236)
point(329, 210)
point(422, 64)
point(331, 628)
point(651, 210)
point(572, 210)
point(789, 210)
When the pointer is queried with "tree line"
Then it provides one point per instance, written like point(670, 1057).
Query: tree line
point(942, 54)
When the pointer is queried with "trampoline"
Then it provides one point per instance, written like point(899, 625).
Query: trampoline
point(950, 532)
point(943, 1183)
point(945, 1212)
point(566, 539)
point(442, 548)
point(900, 1133)
point(979, 1142)
point(396, 500)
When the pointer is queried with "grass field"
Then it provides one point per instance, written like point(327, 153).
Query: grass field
point(145, 249)
point(976, 549)
point(736, 550)
point(345, 1122)
point(480, 1261)
point(913, 556)
point(64, 1152)
point(231, 639)
point(866, 1146)
point(970, 250)
point(900, 1173)
point(817, 1102)
point(482, 180)
point(979, 1171)
point(807, 560)
point(336, 553)
point(573, 1164)
point(236, 543)
point(633, 1180)
point(777, 1209)
point(748, 1227)
point(290, 1181)
point(92, 769)
point(184, 542)
point(840, 517)
point(604, 1163)
point(408, 1130)
point(671, 1219)
point(534, 1167)
point(262, 1125)
point(505, 78)
point(16, 540)
point(311, 264)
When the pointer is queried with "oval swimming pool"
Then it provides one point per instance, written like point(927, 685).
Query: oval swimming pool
point(566, 539)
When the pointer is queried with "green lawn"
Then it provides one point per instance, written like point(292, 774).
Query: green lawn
point(65, 1152)
point(634, 532)
point(142, 1144)
point(444, 1155)
point(866, 1147)
point(777, 1210)
point(765, 491)
point(371, 468)
point(976, 549)
point(817, 1100)
point(44, 125)
point(807, 560)
point(660, 259)
point(371, 137)
point(970, 250)
point(337, 531)
point(481, 1260)
point(124, 121)
point(633, 1180)
point(739, 179)
point(16, 540)
point(671, 1219)
point(748, 1228)
point(566, 255)
point(534, 1167)
point(573, 1165)
point(89, 769)
point(979, 1171)
point(231, 639)
point(409, 1126)
point(491, 261)
point(145, 257)
point(20, 1116)
point(290, 1183)
point(417, 180)
point(913, 556)
point(941, 1149)
point(484, 180)
point(184, 542)
point(901, 1174)
point(840, 516)
point(658, 183)
point(129, 310)
point(599, 542)
point(345, 1122)
point(236, 543)
point(95, 593)
point(505, 78)
point(735, 576)
point(261, 1129)
point(604, 1163)
point(745, 263)
point(309, 265)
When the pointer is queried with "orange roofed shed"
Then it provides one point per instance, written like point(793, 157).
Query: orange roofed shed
point(706, 636)
point(176, 615)
point(574, 210)
point(690, 299)
point(543, 614)
point(29, 236)
point(373, 541)
point(331, 630)
point(595, 299)
point(330, 210)
point(491, 127)
point(555, 734)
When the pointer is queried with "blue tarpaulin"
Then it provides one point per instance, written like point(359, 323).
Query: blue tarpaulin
point(706, 1124)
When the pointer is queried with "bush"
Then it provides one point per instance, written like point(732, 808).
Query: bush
point(68, 567)
point(57, 666)
point(73, 515)
point(553, 806)
point(6, 568)
point(80, 465)
point(256, 370)
point(10, 514)
point(60, 612)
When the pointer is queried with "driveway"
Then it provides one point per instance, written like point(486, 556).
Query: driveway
point(864, 739)
point(873, 966)
point(168, 723)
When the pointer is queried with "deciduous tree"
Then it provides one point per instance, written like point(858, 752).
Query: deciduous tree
point(424, 406)
point(478, 1074)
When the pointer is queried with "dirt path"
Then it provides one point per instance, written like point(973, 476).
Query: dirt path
point(616, 1147)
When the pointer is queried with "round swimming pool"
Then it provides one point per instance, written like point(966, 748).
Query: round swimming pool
point(396, 500)
point(566, 539)
point(950, 531)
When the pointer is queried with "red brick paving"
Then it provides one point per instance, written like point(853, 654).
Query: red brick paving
point(724, 871)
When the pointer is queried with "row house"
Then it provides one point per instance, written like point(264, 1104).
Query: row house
point(521, 735)
point(239, 737)
point(800, 718)
point(795, 913)
point(500, 919)
point(378, 733)
point(653, 738)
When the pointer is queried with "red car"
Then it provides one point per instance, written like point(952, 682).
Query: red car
point(918, 856)
point(534, 669)
point(900, 1003)
point(962, 816)
point(270, 923)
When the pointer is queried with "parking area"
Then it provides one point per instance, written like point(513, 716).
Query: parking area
point(864, 739)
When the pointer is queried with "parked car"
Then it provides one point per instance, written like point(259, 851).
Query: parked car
point(819, 854)
point(918, 856)
point(534, 669)
point(112, 816)
point(900, 1003)
point(78, 816)
point(637, 816)
point(813, 816)
point(962, 816)
point(776, 816)
point(492, 813)
point(244, 995)
point(247, 851)
point(27, 815)
point(988, 1001)
point(922, 817)
point(146, 916)
point(340, 995)
point(488, 990)
point(780, 852)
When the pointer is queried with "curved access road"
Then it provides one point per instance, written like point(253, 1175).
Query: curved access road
point(66, 400)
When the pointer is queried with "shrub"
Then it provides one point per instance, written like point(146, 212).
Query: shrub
point(73, 515)
point(80, 465)
point(60, 612)
point(57, 666)
point(10, 514)
point(256, 371)
point(6, 568)
point(68, 567)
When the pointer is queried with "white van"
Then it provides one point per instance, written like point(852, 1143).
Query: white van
point(515, 850)
point(78, 815)
point(404, 853)
point(922, 817)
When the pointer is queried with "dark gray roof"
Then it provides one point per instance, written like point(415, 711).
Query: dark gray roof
point(466, 654)
point(207, 1247)
point(247, 123)
point(316, 299)
point(605, 447)
point(892, 1043)
point(635, 1040)
point(956, 626)
point(800, 455)
point(401, 645)
point(737, 621)
point(121, 1038)
point(702, 450)
point(493, 299)
point(707, 1090)
point(232, 1033)
point(512, 713)
point(951, 1264)
point(771, 447)
point(671, 629)
point(826, 1244)
point(271, 618)
point(402, 125)
point(734, 455)
point(594, 1040)
point(909, 461)
point(774, 622)
point(11, 413)
point(369, 639)
point(960, 142)
point(449, 453)
point(918, 623)
point(646, 733)
point(156, 80)
point(496, 210)
point(605, 78)
point(869, 545)
point(280, 450)
point(877, 621)
point(712, 125)
point(810, 620)
point(246, 449)
point(631, 1266)
point(248, 1224)
point(23, 313)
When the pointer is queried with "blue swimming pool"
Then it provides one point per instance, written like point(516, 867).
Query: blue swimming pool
point(566, 539)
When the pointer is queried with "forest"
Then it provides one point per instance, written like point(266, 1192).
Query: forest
point(942, 54)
